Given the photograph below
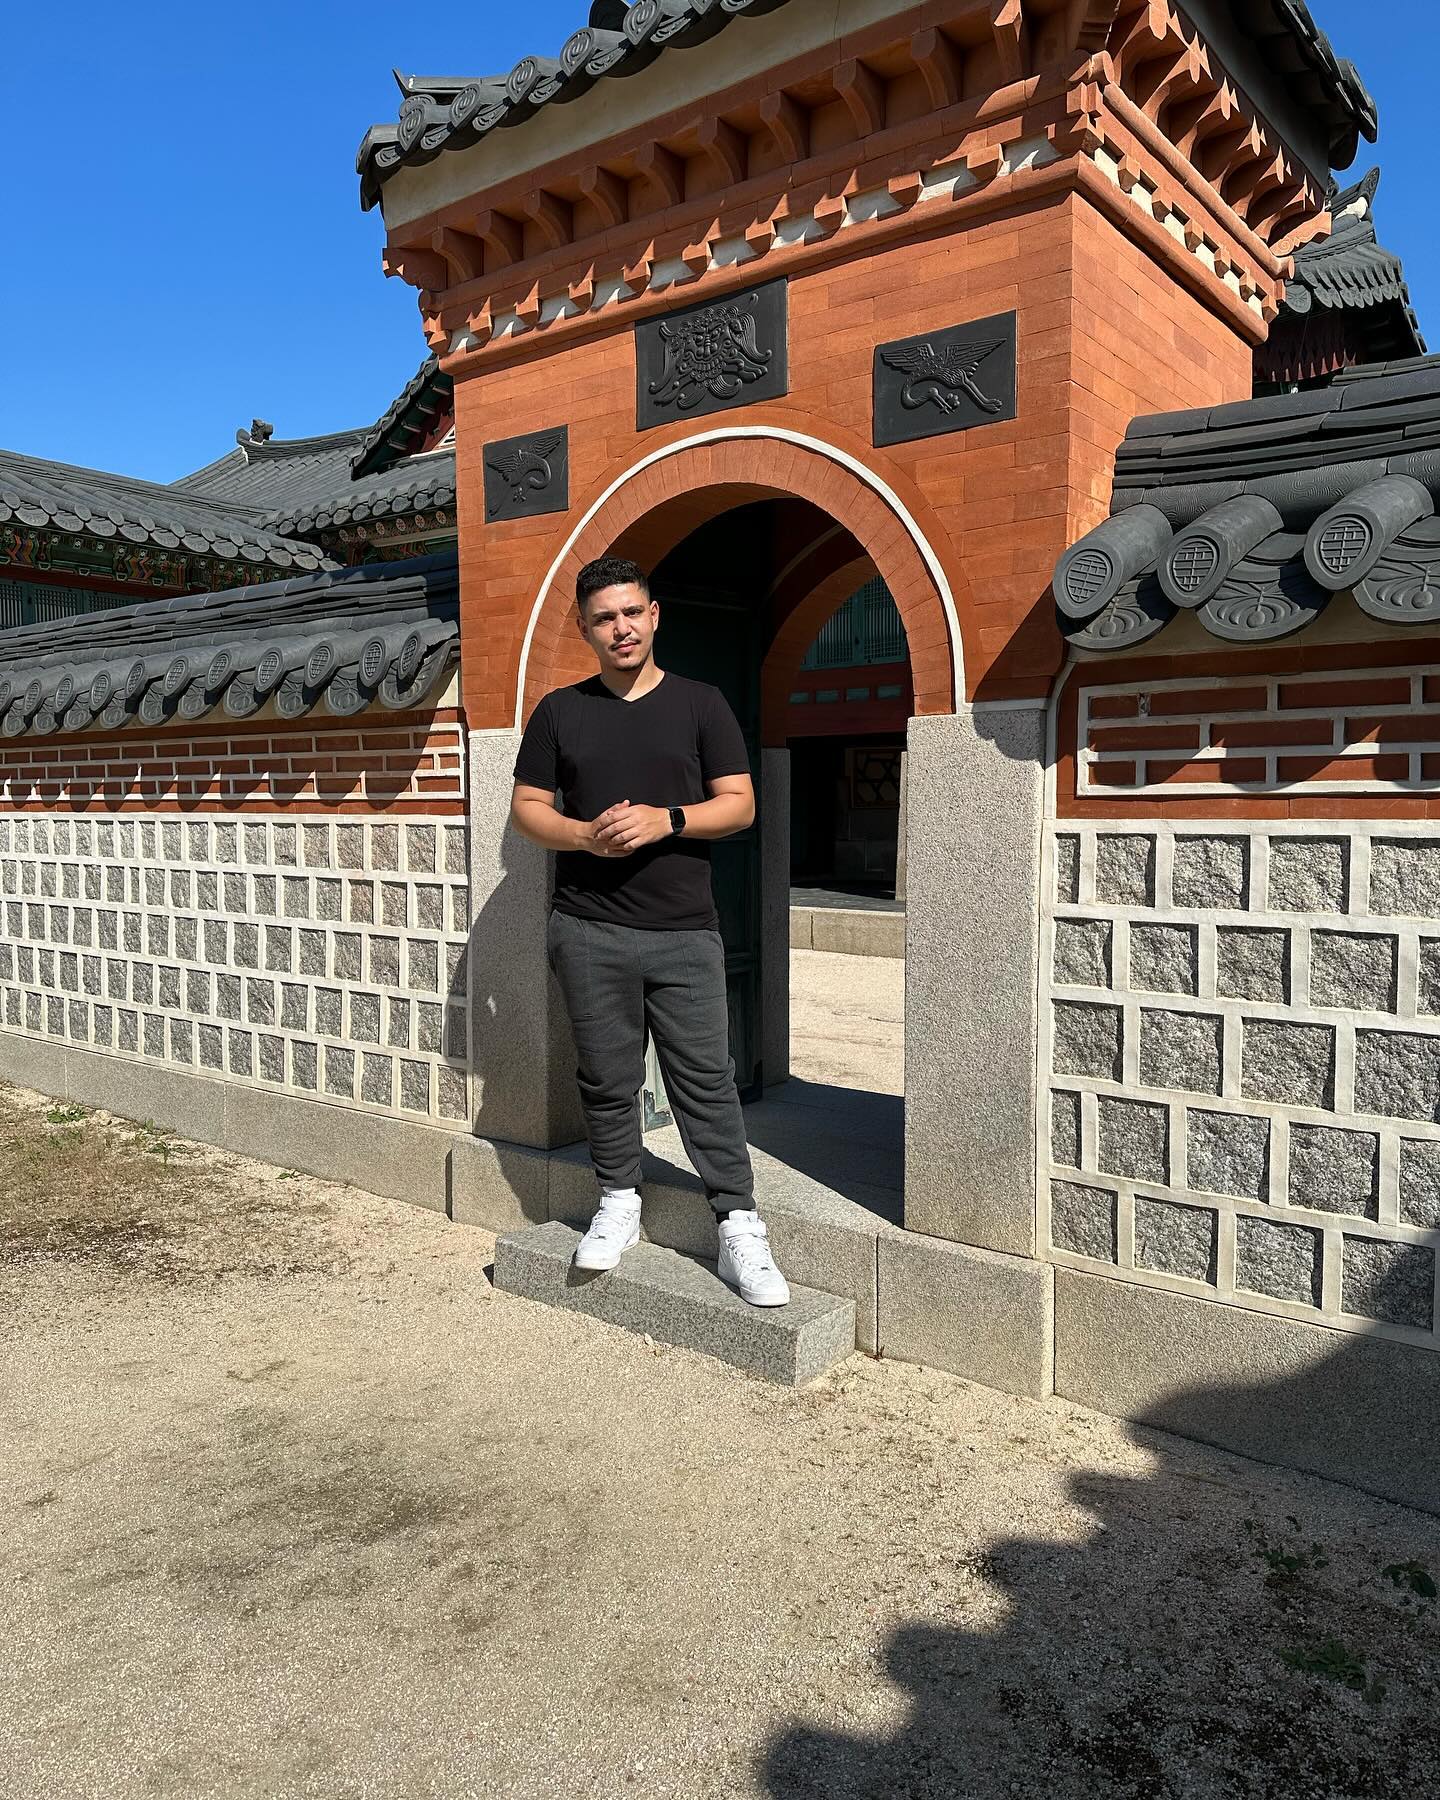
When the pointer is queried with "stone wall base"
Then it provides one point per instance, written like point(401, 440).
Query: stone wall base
point(1363, 1410)
point(978, 1314)
point(376, 1152)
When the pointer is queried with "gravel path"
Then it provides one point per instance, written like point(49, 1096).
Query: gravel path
point(291, 1504)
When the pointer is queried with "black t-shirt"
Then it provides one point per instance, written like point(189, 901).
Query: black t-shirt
point(659, 750)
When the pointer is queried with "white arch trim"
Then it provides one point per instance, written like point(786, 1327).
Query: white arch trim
point(779, 434)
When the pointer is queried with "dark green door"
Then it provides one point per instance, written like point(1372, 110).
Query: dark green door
point(714, 636)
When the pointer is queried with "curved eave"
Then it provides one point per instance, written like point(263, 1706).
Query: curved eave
point(1257, 516)
point(444, 113)
point(418, 496)
point(111, 511)
point(407, 420)
point(437, 116)
point(330, 672)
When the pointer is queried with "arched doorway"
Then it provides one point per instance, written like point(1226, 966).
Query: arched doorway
point(735, 595)
point(754, 535)
point(647, 508)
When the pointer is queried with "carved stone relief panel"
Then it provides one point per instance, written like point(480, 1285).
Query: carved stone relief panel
point(713, 358)
point(526, 477)
point(945, 381)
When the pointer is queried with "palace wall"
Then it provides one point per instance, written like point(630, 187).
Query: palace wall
point(1239, 1130)
point(256, 931)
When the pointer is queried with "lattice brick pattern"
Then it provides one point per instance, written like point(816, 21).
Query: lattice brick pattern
point(1242, 1028)
point(391, 762)
point(323, 957)
point(1348, 732)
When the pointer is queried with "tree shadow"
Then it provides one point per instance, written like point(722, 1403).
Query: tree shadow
point(1193, 1642)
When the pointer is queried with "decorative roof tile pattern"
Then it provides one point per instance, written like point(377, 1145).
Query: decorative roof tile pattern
point(451, 112)
point(92, 504)
point(1255, 516)
point(342, 642)
point(418, 485)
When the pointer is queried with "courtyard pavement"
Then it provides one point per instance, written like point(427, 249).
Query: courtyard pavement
point(291, 1504)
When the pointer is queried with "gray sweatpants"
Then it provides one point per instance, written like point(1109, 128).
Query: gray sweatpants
point(618, 984)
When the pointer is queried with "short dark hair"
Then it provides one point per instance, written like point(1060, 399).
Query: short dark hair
point(609, 571)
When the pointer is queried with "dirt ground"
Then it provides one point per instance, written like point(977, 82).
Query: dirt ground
point(847, 1020)
point(291, 1504)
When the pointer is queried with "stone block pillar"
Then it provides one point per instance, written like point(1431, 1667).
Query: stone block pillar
point(902, 847)
point(975, 791)
point(523, 1056)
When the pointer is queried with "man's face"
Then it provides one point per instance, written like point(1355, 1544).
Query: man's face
point(619, 624)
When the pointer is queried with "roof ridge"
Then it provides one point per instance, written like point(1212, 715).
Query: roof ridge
point(275, 449)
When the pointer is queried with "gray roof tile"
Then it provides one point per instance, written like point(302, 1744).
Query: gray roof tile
point(341, 641)
point(408, 420)
point(90, 502)
point(419, 484)
point(449, 112)
point(278, 474)
point(1256, 515)
point(1350, 271)
point(302, 485)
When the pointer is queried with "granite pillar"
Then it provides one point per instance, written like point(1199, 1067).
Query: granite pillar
point(975, 790)
point(524, 1059)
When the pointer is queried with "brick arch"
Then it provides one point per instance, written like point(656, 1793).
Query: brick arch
point(690, 479)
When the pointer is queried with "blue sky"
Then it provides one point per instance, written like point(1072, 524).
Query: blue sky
point(184, 245)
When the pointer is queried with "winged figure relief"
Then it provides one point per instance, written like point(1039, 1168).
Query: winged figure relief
point(526, 468)
point(714, 351)
point(944, 378)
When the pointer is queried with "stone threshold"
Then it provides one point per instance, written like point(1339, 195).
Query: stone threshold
point(679, 1300)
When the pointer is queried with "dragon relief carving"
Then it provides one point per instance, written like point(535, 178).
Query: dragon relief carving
point(944, 378)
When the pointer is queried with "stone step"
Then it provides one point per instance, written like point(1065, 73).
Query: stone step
point(821, 1239)
point(847, 930)
point(682, 1302)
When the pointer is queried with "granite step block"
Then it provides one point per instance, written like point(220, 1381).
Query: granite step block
point(821, 1238)
point(678, 1301)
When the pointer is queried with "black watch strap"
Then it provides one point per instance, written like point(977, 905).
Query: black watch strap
point(677, 819)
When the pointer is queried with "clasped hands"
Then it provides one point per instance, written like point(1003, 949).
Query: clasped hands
point(624, 829)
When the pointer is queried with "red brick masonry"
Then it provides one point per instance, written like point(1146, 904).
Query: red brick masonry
point(397, 765)
point(1277, 734)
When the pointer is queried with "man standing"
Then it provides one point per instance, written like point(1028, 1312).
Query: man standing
point(651, 768)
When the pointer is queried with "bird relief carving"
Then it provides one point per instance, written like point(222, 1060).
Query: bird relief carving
point(944, 378)
point(525, 467)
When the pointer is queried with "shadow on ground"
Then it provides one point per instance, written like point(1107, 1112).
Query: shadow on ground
point(1138, 1664)
point(849, 1139)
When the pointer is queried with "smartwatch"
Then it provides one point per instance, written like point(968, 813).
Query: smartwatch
point(677, 819)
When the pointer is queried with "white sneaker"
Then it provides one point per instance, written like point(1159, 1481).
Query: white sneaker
point(746, 1263)
point(614, 1230)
